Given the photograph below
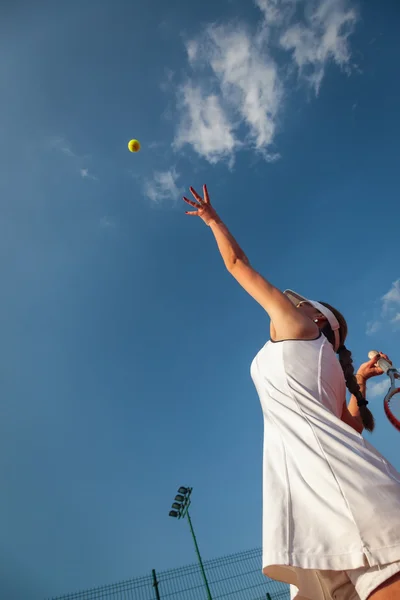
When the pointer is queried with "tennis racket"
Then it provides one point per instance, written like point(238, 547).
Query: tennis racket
point(391, 403)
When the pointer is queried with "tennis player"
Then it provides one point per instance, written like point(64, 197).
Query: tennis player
point(331, 501)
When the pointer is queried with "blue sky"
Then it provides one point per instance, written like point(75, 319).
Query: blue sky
point(126, 347)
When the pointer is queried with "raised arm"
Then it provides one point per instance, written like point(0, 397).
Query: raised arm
point(288, 322)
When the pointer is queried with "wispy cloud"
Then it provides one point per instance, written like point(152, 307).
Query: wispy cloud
point(204, 125)
point(155, 145)
point(107, 222)
point(168, 80)
point(162, 186)
point(235, 92)
point(389, 310)
point(323, 37)
point(85, 174)
point(378, 389)
point(248, 79)
point(391, 300)
point(391, 305)
point(276, 12)
point(62, 145)
point(373, 327)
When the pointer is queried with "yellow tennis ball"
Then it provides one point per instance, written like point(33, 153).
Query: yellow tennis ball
point(134, 145)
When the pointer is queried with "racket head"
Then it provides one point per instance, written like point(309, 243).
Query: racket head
point(391, 405)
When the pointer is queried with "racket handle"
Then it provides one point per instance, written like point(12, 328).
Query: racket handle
point(382, 362)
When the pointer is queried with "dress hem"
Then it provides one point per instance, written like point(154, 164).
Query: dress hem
point(340, 562)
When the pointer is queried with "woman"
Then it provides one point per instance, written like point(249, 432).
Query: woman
point(331, 502)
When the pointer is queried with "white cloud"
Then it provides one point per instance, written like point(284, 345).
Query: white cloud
point(248, 79)
point(247, 88)
point(162, 186)
point(378, 389)
point(323, 37)
point(234, 94)
point(270, 9)
point(391, 304)
point(391, 299)
point(389, 309)
point(204, 125)
point(85, 174)
point(373, 327)
point(192, 48)
point(275, 11)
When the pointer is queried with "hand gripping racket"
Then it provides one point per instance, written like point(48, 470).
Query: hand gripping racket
point(391, 403)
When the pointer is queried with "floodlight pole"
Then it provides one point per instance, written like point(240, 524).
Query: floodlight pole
point(181, 510)
point(199, 556)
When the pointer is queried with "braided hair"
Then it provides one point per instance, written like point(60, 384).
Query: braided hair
point(346, 362)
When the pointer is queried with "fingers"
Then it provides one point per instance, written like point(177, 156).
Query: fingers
point(375, 368)
point(191, 202)
point(196, 195)
point(374, 359)
point(385, 356)
point(205, 194)
point(200, 204)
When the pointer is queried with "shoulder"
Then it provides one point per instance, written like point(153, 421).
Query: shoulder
point(289, 323)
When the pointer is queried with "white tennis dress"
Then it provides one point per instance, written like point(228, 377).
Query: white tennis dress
point(330, 499)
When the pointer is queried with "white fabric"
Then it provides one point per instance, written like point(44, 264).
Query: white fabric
point(330, 499)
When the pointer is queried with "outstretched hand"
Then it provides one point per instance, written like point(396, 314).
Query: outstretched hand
point(370, 369)
point(203, 207)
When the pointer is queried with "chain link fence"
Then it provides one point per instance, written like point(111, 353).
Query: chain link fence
point(232, 577)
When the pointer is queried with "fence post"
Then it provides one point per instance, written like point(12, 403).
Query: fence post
point(155, 584)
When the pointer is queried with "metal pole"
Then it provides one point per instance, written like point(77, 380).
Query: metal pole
point(155, 584)
point(199, 557)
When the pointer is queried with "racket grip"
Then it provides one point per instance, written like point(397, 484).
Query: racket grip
point(382, 362)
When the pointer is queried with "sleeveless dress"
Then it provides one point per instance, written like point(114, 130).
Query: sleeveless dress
point(330, 499)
